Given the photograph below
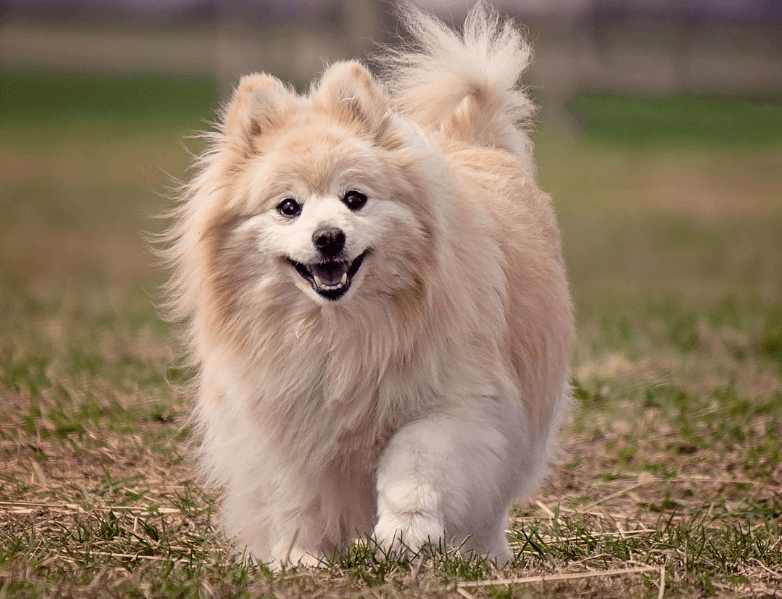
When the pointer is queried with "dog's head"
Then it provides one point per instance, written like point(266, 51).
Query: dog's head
point(325, 197)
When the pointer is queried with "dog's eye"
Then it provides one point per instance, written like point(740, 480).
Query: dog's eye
point(354, 200)
point(289, 208)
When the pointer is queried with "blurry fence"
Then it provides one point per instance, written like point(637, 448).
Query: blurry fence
point(635, 46)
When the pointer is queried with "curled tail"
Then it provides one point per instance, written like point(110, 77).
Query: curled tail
point(467, 83)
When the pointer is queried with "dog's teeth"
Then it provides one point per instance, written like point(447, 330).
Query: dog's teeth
point(318, 281)
point(344, 278)
point(348, 264)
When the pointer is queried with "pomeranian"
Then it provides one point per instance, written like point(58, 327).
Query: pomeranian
point(376, 302)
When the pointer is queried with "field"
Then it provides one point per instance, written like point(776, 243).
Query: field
point(670, 482)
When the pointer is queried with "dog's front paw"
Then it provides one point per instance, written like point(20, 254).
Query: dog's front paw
point(294, 557)
point(405, 535)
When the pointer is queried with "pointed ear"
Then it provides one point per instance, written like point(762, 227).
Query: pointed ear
point(350, 92)
point(259, 103)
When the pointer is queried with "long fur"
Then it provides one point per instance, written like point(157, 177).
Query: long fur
point(423, 401)
point(467, 84)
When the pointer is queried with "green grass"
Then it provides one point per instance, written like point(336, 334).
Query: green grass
point(717, 122)
point(673, 239)
point(33, 100)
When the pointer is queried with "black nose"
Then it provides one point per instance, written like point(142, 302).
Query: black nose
point(329, 241)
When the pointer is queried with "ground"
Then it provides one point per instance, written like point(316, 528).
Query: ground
point(670, 475)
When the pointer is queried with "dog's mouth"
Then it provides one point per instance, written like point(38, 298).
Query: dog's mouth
point(331, 279)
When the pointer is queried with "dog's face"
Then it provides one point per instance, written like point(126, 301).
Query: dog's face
point(323, 211)
point(326, 246)
point(328, 199)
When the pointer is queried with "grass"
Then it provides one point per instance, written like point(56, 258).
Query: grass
point(671, 461)
point(708, 122)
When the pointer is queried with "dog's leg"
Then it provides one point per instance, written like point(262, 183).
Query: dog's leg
point(451, 477)
point(290, 519)
point(273, 529)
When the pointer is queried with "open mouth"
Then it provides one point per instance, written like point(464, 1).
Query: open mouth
point(331, 279)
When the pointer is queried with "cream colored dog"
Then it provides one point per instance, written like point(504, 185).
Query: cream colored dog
point(377, 305)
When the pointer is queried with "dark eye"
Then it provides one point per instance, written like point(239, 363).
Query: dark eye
point(289, 208)
point(354, 200)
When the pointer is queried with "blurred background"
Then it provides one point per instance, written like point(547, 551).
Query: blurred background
point(618, 46)
point(659, 138)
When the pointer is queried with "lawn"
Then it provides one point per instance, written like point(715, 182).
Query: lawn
point(671, 470)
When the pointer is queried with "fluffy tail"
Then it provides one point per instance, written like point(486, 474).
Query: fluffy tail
point(466, 84)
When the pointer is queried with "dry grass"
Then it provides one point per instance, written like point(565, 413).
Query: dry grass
point(670, 480)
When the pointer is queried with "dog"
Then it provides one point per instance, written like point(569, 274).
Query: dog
point(375, 301)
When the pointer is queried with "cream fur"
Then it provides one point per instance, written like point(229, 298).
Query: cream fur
point(424, 401)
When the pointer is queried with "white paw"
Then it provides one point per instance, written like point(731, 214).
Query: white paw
point(403, 535)
point(302, 558)
point(296, 557)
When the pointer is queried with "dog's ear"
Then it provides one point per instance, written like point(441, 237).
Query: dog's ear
point(259, 103)
point(350, 92)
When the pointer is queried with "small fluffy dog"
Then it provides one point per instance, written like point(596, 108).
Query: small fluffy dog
point(376, 301)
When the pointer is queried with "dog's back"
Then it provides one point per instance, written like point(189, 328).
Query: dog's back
point(463, 87)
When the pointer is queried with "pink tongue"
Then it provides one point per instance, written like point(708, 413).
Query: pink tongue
point(329, 272)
